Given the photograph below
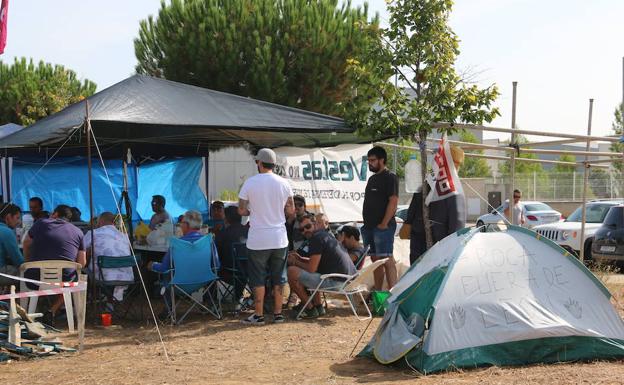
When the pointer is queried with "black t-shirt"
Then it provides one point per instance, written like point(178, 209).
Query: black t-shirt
point(236, 233)
point(379, 189)
point(334, 258)
point(357, 251)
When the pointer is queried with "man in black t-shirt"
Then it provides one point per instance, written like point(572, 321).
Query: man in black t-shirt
point(380, 202)
point(326, 256)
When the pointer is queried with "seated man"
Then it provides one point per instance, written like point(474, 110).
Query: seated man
point(190, 226)
point(349, 236)
point(217, 217)
point(35, 204)
point(234, 232)
point(326, 256)
point(10, 254)
point(161, 216)
point(110, 242)
point(55, 239)
point(295, 238)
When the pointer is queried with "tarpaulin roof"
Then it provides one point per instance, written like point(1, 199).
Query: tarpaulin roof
point(161, 117)
point(8, 129)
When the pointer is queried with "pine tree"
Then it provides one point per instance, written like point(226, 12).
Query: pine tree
point(29, 93)
point(290, 52)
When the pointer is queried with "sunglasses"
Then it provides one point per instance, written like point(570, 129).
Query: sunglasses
point(306, 227)
point(298, 204)
point(516, 196)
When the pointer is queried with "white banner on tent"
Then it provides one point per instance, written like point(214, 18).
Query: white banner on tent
point(331, 179)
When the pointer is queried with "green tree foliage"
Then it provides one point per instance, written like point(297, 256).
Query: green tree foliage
point(564, 168)
point(473, 167)
point(30, 92)
point(522, 167)
point(420, 47)
point(291, 52)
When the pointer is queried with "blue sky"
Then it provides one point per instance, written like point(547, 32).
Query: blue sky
point(561, 52)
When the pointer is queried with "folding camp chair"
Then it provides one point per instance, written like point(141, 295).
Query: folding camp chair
point(237, 271)
point(194, 274)
point(121, 307)
point(353, 284)
point(362, 257)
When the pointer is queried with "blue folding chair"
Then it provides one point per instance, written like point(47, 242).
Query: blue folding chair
point(194, 273)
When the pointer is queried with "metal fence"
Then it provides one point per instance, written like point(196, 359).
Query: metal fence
point(568, 186)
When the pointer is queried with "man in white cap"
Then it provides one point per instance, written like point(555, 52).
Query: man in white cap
point(266, 198)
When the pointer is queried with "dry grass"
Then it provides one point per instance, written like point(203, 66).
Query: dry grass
point(206, 351)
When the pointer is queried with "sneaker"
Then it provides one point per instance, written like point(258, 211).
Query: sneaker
point(254, 320)
point(320, 309)
point(309, 313)
point(278, 318)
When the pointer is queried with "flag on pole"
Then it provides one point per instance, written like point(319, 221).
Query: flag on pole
point(443, 179)
point(4, 13)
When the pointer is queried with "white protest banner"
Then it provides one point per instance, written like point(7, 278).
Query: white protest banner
point(443, 180)
point(331, 179)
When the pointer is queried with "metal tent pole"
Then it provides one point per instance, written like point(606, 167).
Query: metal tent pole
point(91, 216)
point(585, 182)
point(513, 154)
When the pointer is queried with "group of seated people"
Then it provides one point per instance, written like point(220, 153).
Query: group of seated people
point(314, 249)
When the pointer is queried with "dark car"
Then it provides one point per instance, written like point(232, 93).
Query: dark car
point(609, 238)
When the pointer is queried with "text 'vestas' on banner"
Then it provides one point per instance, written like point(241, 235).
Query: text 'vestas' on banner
point(331, 179)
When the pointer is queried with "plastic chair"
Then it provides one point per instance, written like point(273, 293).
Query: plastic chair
point(51, 271)
point(108, 286)
point(194, 273)
point(353, 284)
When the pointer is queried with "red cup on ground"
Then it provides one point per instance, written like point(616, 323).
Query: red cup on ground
point(107, 319)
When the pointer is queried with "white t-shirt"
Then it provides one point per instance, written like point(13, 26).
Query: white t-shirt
point(112, 243)
point(516, 214)
point(267, 195)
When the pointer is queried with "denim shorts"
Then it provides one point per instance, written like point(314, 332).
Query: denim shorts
point(312, 280)
point(264, 263)
point(381, 242)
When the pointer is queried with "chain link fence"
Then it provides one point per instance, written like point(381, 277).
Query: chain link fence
point(567, 186)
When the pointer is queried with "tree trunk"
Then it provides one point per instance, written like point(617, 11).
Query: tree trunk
point(422, 134)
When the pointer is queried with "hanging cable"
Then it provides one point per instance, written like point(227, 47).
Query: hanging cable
point(123, 225)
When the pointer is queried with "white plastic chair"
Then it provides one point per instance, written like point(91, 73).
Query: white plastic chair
point(353, 284)
point(52, 271)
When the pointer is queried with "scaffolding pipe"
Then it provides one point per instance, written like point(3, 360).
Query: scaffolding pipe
point(612, 139)
point(495, 157)
point(468, 145)
point(585, 183)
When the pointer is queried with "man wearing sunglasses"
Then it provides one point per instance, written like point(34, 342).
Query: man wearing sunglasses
point(326, 256)
point(517, 212)
point(295, 238)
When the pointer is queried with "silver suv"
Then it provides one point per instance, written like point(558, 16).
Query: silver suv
point(568, 233)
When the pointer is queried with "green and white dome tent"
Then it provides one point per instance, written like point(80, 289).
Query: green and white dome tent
point(497, 298)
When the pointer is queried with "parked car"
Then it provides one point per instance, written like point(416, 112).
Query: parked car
point(608, 244)
point(536, 213)
point(568, 233)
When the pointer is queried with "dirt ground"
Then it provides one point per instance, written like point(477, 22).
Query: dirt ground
point(208, 351)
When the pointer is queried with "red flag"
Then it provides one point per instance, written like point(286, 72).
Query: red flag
point(4, 14)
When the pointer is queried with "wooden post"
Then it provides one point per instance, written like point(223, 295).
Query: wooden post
point(585, 182)
point(15, 332)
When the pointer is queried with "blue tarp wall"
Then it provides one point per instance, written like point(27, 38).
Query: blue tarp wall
point(65, 181)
